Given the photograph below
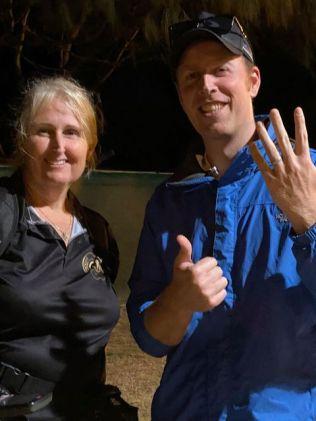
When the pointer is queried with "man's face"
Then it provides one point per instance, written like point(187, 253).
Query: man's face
point(216, 89)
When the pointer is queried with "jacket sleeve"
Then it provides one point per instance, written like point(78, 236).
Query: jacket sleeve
point(148, 279)
point(304, 249)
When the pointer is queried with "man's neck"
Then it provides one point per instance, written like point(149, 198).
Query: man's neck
point(221, 152)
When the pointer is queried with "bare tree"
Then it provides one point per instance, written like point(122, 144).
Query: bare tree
point(91, 39)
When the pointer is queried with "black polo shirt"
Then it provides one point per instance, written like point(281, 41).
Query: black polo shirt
point(56, 307)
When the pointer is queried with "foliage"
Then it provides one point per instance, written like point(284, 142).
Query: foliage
point(91, 39)
point(70, 37)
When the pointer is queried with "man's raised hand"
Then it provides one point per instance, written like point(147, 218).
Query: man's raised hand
point(291, 178)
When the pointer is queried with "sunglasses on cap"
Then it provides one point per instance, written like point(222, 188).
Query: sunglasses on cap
point(227, 30)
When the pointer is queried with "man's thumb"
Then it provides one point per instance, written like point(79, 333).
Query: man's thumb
point(185, 251)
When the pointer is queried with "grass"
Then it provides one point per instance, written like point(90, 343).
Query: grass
point(134, 372)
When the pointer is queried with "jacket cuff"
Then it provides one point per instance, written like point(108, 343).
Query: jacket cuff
point(146, 342)
point(304, 249)
point(306, 238)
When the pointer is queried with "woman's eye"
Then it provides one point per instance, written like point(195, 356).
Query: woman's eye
point(42, 131)
point(72, 133)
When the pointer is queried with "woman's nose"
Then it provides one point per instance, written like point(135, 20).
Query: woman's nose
point(58, 142)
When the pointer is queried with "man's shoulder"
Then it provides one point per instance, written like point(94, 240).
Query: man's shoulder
point(185, 174)
point(178, 183)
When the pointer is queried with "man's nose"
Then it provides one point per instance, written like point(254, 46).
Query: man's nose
point(208, 85)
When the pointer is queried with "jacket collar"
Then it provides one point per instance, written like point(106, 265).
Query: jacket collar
point(190, 171)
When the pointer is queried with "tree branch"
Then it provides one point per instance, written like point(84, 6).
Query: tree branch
point(21, 41)
point(117, 62)
point(66, 49)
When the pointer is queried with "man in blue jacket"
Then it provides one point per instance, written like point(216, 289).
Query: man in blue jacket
point(224, 282)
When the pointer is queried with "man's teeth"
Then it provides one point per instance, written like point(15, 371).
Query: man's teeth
point(209, 108)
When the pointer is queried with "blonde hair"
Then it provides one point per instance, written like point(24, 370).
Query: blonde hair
point(41, 92)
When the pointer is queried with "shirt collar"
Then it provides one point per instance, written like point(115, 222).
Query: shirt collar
point(208, 168)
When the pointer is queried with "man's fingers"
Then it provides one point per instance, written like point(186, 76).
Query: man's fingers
point(217, 299)
point(258, 158)
point(282, 136)
point(272, 152)
point(218, 285)
point(301, 136)
point(185, 250)
point(206, 264)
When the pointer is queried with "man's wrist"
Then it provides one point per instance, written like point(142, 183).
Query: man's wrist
point(302, 223)
point(305, 238)
point(173, 304)
point(166, 321)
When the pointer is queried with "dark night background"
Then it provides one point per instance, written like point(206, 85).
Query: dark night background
point(144, 128)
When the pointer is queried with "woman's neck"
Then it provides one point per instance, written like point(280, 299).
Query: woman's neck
point(40, 196)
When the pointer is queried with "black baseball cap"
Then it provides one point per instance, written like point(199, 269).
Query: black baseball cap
point(224, 28)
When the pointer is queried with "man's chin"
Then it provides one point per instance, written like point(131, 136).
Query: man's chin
point(216, 132)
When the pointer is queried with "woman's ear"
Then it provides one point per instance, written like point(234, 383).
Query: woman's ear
point(88, 159)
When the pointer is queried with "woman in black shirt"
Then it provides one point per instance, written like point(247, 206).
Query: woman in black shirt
point(57, 304)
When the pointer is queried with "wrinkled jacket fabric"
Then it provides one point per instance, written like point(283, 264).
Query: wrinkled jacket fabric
point(254, 356)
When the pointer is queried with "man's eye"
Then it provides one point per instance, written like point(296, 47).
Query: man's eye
point(192, 76)
point(222, 70)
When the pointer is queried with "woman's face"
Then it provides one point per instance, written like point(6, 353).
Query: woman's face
point(56, 149)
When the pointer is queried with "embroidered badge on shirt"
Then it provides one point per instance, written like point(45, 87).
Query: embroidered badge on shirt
point(281, 217)
point(93, 264)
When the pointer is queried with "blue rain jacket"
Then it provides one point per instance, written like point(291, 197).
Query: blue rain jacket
point(254, 356)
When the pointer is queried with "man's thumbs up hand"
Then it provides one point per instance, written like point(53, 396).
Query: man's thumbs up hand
point(184, 257)
point(196, 286)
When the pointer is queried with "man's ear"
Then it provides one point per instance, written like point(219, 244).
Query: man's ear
point(179, 94)
point(255, 81)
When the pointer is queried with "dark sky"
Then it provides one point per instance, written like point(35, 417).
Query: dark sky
point(146, 128)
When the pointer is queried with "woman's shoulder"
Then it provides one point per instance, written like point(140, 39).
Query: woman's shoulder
point(9, 211)
point(94, 217)
point(97, 225)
